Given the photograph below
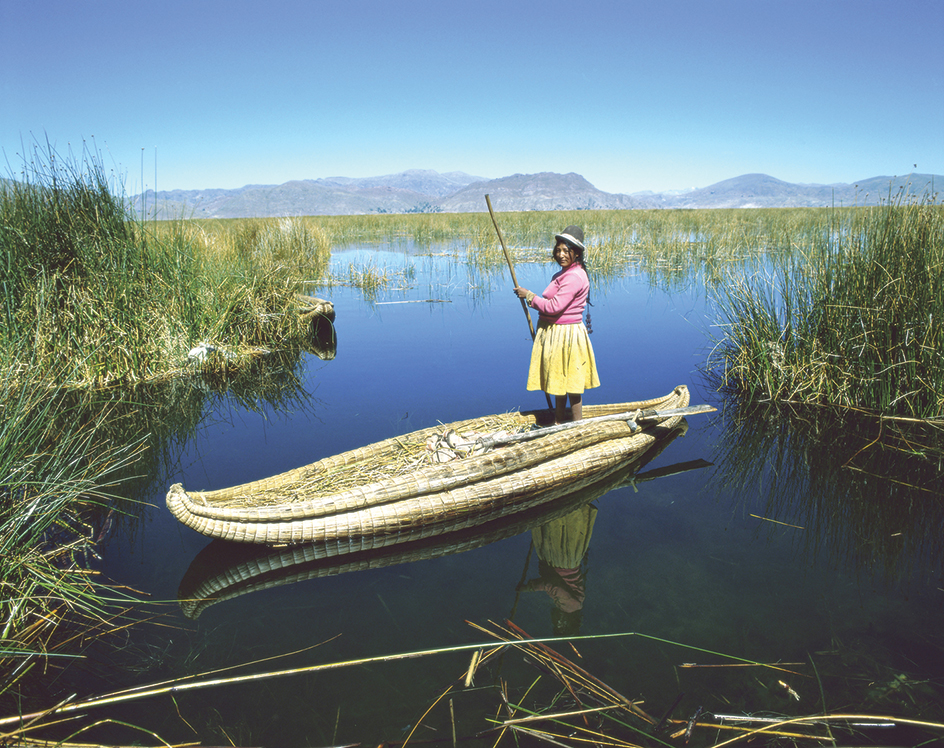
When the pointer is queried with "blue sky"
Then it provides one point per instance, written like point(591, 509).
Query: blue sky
point(661, 94)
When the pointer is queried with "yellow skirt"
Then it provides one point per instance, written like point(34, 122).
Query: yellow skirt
point(562, 360)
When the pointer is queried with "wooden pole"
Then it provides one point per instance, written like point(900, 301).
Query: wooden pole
point(511, 266)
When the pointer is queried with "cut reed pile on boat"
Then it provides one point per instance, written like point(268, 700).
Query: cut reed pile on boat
point(395, 458)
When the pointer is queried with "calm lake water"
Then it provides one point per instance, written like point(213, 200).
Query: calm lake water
point(773, 553)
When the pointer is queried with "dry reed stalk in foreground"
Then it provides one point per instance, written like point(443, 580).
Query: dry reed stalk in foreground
point(563, 667)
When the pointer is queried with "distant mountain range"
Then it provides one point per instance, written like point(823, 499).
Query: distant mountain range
point(425, 191)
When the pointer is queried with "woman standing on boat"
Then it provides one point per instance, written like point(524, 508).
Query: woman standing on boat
point(562, 362)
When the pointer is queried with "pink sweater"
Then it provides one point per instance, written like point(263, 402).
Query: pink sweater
point(564, 300)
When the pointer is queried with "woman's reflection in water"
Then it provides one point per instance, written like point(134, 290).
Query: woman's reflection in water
point(562, 545)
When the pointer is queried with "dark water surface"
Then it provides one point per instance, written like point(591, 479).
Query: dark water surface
point(751, 557)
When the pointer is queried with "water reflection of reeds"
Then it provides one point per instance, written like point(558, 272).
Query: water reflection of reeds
point(865, 492)
point(168, 414)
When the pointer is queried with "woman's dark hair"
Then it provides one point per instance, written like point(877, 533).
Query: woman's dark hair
point(578, 257)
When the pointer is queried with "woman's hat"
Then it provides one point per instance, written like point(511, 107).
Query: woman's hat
point(573, 235)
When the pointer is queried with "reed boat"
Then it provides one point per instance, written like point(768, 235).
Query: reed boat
point(222, 571)
point(401, 489)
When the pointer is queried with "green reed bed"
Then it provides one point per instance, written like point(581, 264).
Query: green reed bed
point(854, 319)
point(677, 242)
point(123, 301)
point(420, 228)
point(674, 248)
point(91, 297)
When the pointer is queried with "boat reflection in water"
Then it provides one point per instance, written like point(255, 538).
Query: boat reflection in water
point(225, 570)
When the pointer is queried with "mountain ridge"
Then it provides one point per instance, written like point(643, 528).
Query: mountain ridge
point(428, 191)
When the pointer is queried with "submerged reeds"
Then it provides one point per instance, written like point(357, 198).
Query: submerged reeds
point(866, 493)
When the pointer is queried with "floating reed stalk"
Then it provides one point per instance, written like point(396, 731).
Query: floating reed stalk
point(558, 663)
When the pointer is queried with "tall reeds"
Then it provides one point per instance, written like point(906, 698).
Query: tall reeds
point(90, 297)
point(674, 248)
point(81, 281)
point(54, 476)
point(853, 320)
